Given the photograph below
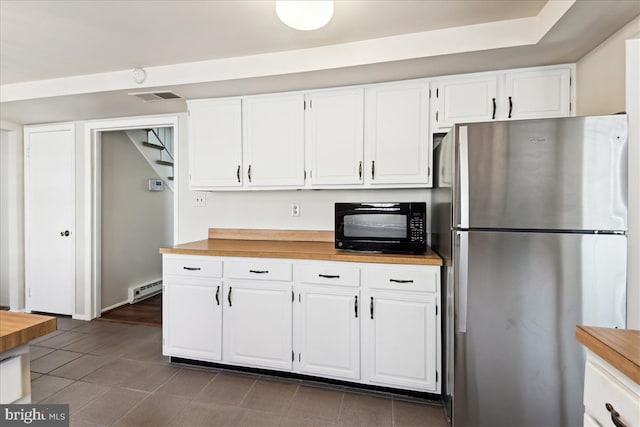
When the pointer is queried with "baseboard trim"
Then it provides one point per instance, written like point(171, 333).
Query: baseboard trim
point(116, 305)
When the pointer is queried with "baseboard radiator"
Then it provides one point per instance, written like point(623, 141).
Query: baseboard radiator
point(141, 292)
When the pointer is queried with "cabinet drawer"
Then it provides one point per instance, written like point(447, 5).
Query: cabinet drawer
point(193, 266)
point(406, 279)
point(258, 270)
point(11, 384)
point(328, 274)
point(600, 388)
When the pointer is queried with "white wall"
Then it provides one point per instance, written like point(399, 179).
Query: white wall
point(135, 221)
point(4, 224)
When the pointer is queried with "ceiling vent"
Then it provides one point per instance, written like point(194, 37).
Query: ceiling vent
point(165, 95)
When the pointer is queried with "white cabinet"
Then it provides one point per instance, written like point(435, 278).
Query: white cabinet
point(464, 99)
point(215, 143)
point(335, 136)
point(192, 307)
point(273, 133)
point(397, 140)
point(401, 327)
point(537, 93)
point(257, 323)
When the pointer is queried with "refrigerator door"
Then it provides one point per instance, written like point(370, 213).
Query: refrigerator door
point(550, 174)
point(518, 298)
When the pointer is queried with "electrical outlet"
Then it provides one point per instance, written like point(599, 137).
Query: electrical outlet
point(295, 209)
point(200, 200)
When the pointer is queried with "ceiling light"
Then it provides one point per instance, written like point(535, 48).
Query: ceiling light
point(305, 15)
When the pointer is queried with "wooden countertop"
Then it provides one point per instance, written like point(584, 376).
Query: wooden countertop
point(278, 244)
point(17, 329)
point(619, 347)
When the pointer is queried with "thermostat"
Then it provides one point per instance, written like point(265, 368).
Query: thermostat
point(156, 185)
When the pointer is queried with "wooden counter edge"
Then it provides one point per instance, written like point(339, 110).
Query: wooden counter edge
point(25, 335)
point(628, 367)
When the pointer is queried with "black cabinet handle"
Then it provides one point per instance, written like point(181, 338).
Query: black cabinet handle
point(356, 306)
point(192, 268)
point(329, 276)
point(218, 295)
point(259, 271)
point(249, 173)
point(510, 106)
point(360, 171)
point(615, 416)
point(493, 116)
point(238, 173)
point(400, 281)
point(229, 296)
point(371, 307)
point(436, 116)
point(373, 169)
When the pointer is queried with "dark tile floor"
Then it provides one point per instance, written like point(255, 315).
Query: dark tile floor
point(115, 374)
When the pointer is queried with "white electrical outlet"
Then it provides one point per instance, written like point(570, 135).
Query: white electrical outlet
point(200, 200)
point(295, 209)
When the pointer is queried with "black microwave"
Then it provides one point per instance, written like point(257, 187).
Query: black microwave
point(381, 227)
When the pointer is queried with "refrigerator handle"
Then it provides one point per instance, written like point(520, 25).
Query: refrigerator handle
point(464, 176)
point(463, 280)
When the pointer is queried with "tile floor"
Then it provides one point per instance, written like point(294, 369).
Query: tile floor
point(115, 374)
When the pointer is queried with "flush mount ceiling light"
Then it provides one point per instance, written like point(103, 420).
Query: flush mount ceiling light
point(305, 15)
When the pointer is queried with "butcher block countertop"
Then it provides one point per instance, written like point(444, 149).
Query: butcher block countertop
point(295, 244)
point(17, 329)
point(619, 347)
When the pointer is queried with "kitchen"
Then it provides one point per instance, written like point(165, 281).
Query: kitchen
point(315, 207)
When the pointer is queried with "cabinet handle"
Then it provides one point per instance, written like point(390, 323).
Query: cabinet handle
point(436, 117)
point(493, 116)
point(218, 295)
point(329, 276)
point(400, 281)
point(371, 307)
point(249, 173)
point(356, 306)
point(510, 106)
point(192, 268)
point(229, 296)
point(259, 271)
point(373, 169)
point(238, 173)
point(360, 171)
point(615, 416)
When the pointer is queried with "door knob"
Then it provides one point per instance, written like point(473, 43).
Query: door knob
point(65, 233)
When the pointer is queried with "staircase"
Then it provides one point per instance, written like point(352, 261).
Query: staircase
point(156, 146)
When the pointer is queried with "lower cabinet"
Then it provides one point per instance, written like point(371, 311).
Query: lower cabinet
point(257, 324)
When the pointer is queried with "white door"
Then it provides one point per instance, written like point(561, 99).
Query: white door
point(274, 140)
point(401, 339)
point(329, 320)
point(215, 143)
point(464, 100)
point(335, 136)
point(192, 319)
point(50, 219)
point(537, 94)
point(257, 324)
point(397, 137)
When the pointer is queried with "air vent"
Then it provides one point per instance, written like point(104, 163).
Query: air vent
point(156, 96)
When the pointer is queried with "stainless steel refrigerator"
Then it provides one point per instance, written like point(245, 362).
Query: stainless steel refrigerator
point(531, 219)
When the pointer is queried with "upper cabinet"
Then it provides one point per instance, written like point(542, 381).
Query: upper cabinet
point(273, 131)
point(538, 93)
point(464, 99)
point(215, 143)
point(397, 133)
point(335, 137)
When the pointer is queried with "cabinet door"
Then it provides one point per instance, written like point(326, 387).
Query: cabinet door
point(464, 100)
point(537, 94)
point(274, 140)
point(397, 137)
point(335, 136)
point(257, 324)
point(192, 319)
point(329, 332)
point(401, 339)
point(215, 143)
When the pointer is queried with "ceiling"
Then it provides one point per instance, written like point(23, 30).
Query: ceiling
point(72, 60)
